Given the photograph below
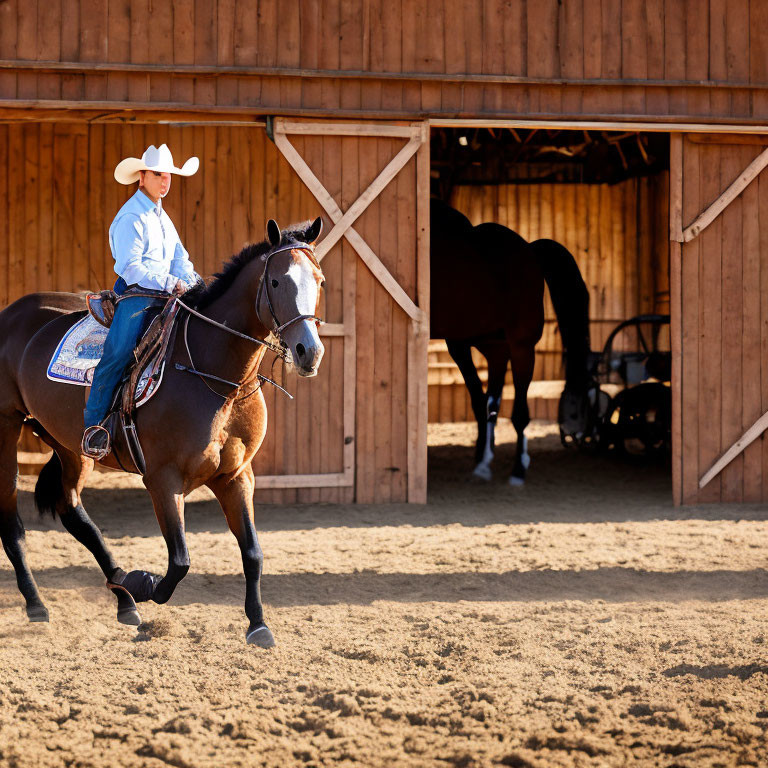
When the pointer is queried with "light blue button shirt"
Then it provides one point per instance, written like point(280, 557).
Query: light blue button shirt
point(146, 247)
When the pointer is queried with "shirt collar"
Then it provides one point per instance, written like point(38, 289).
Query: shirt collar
point(146, 204)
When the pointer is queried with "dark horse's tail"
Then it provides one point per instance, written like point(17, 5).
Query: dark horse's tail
point(49, 487)
point(570, 299)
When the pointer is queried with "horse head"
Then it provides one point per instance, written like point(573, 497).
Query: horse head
point(289, 294)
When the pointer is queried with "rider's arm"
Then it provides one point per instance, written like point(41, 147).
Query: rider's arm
point(181, 266)
point(131, 263)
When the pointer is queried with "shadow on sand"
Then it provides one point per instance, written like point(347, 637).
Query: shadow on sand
point(611, 584)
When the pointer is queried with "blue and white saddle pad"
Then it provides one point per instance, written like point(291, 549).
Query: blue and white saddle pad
point(78, 353)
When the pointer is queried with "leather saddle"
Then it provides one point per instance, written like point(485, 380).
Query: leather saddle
point(142, 378)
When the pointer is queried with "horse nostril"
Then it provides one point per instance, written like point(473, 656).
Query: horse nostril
point(300, 351)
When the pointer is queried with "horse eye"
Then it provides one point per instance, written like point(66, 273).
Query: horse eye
point(322, 283)
point(274, 283)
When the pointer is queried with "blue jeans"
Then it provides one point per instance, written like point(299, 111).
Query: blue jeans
point(121, 340)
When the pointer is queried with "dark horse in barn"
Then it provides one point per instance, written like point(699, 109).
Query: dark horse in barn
point(487, 292)
point(203, 427)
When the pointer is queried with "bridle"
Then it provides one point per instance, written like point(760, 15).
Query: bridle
point(264, 287)
point(280, 349)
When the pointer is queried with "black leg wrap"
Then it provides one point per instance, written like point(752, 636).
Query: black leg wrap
point(141, 585)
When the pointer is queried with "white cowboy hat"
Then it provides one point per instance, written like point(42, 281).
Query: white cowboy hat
point(153, 159)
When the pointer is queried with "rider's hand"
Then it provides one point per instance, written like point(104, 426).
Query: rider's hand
point(180, 288)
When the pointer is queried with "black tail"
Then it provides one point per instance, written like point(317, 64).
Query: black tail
point(49, 488)
point(570, 299)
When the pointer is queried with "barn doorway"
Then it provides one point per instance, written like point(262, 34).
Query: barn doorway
point(604, 195)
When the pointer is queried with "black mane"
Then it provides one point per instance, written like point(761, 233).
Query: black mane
point(204, 294)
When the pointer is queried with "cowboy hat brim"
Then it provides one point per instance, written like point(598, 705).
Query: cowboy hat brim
point(127, 171)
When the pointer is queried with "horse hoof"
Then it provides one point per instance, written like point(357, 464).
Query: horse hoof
point(482, 472)
point(130, 617)
point(261, 636)
point(37, 613)
point(516, 482)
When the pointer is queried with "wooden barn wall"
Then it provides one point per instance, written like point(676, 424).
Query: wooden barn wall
point(58, 198)
point(691, 59)
point(618, 235)
point(723, 295)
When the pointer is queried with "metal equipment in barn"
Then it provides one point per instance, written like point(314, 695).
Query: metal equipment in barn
point(630, 400)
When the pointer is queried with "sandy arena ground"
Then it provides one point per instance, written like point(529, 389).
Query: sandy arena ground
point(580, 621)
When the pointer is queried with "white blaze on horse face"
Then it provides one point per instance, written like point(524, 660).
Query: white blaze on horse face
point(302, 337)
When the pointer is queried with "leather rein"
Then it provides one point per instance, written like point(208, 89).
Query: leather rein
point(280, 349)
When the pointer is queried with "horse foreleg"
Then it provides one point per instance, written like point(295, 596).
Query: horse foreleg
point(461, 352)
point(168, 501)
point(11, 527)
point(522, 357)
point(236, 499)
point(497, 356)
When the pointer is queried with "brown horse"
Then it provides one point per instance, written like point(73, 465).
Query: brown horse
point(487, 292)
point(195, 431)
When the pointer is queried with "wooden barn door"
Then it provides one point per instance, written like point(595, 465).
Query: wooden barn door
point(719, 297)
point(372, 182)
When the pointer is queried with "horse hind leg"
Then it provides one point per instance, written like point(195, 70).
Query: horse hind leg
point(11, 527)
point(461, 352)
point(522, 373)
point(58, 491)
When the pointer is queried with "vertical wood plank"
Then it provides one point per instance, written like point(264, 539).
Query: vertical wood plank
point(350, 50)
point(161, 46)
point(45, 208)
point(375, 154)
point(329, 50)
point(656, 99)
point(690, 328)
point(95, 215)
point(138, 85)
point(731, 164)
point(572, 51)
point(365, 322)
point(762, 192)
point(118, 46)
point(676, 308)
point(4, 217)
point(738, 55)
point(758, 61)
point(634, 52)
point(48, 47)
point(288, 52)
point(711, 342)
point(206, 47)
point(751, 365)
point(8, 38)
point(31, 166)
point(183, 47)
point(93, 44)
point(15, 219)
point(26, 47)
point(695, 49)
point(543, 61)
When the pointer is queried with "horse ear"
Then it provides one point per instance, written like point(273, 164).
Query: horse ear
point(273, 232)
point(314, 231)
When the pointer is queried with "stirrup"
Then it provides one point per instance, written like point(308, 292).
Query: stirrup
point(96, 452)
